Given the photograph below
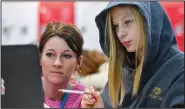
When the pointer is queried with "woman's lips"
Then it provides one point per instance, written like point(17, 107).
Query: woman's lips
point(57, 72)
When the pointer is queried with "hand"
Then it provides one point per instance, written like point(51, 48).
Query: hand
point(46, 106)
point(92, 99)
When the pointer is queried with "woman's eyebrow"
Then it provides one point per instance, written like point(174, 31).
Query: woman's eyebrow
point(50, 50)
point(67, 51)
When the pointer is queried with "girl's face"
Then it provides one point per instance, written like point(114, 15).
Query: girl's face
point(125, 27)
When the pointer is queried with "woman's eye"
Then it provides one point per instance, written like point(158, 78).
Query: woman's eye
point(49, 54)
point(67, 56)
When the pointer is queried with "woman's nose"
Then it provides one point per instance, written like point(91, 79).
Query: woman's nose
point(57, 63)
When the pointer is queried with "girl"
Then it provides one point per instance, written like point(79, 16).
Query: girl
point(146, 67)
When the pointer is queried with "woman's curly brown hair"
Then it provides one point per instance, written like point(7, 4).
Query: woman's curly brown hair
point(91, 62)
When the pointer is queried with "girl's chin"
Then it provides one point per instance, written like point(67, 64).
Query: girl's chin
point(130, 49)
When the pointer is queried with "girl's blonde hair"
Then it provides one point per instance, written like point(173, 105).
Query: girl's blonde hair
point(119, 56)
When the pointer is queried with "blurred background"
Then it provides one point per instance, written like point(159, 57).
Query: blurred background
point(24, 22)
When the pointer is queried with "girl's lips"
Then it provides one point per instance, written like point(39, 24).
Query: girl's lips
point(126, 43)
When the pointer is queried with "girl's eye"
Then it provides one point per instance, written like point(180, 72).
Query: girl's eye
point(127, 22)
point(115, 26)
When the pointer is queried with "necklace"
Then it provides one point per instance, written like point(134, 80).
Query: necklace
point(65, 98)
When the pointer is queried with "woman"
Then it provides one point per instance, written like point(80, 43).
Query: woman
point(61, 55)
point(94, 69)
point(146, 67)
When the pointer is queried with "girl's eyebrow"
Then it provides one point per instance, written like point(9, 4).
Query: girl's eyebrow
point(122, 18)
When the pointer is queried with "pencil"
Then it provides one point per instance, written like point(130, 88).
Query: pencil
point(71, 91)
point(46, 106)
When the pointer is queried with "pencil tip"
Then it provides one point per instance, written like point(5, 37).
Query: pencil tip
point(60, 90)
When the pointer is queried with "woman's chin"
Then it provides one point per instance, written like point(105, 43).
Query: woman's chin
point(55, 80)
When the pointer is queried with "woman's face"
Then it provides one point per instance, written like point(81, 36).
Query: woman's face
point(125, 27)
point(58, 61)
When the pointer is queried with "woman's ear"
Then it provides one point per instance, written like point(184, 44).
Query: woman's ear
point(80, 60)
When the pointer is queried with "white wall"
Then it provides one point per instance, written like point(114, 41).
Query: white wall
point(16, 15)
point(85, 18)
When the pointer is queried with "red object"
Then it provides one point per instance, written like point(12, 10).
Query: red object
point(175, 12)
point(58, 11)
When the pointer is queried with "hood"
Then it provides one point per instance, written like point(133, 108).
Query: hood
point(160, 34)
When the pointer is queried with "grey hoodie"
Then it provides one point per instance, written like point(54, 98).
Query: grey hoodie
point(162, 81)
